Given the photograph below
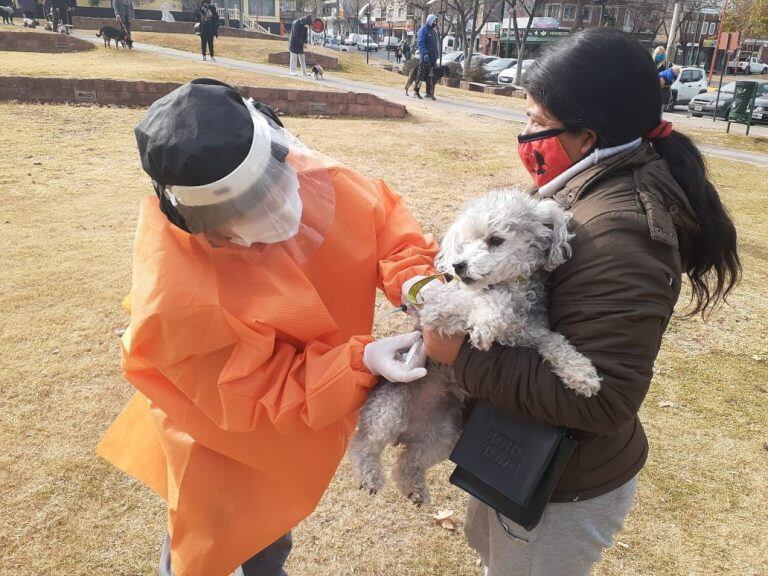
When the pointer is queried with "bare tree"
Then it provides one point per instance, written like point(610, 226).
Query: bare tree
point(471, 16)
point(529, 8)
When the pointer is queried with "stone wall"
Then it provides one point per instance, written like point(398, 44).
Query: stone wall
point(85, 23)
point(327, 62)
point(38, 42)
point(141, 94)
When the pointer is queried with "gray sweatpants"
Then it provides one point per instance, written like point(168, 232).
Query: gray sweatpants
point(568, 541)
point(268, 562)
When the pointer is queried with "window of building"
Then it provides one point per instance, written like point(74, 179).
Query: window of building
point(289, 5)
point(712, 28)
point(552, 10)
point(261, 7)
point(586, 13)
point(569, 12)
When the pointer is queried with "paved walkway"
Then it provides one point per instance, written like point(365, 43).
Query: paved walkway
point(398, 95)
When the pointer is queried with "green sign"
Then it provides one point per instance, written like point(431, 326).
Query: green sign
point(743, 104)
point(537, 34)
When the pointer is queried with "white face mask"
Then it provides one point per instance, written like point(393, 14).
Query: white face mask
point(270, 224)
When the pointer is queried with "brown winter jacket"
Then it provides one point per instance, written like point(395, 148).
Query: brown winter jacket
point(613, 300)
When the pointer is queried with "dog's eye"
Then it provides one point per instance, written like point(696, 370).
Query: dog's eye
point(495, 241)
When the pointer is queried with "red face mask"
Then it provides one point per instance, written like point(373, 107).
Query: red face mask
point(543, 155)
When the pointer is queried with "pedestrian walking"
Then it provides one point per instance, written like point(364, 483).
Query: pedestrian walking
point(299, 33)
point(407, 50)
point(666, 79)
point(208, 17)
point(398, 55)
point(427, 57)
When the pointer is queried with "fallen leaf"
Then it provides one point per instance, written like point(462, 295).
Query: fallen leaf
point(444, 519)
point(666, 404)
point(623, 545)
point(756, 357)
point(119, 331)
point(765, 446)
point(56, 351)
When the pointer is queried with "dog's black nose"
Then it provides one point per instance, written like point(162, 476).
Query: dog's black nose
point(460, 267)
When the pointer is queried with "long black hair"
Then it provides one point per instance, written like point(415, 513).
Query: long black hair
point(604, 80)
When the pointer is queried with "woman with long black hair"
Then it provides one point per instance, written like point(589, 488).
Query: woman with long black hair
point(644, 215)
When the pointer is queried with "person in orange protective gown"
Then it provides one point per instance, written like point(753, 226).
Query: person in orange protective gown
point(254, 279)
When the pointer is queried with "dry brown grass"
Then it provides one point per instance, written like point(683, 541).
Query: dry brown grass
point(130, 65)
point(72, 183)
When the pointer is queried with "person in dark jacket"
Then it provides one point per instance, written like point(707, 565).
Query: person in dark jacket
point(644, 215)
point(666, 79)
point(208, 17)
point(299, 33)
point(427, 42)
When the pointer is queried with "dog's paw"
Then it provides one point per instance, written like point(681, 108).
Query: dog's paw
point(586, 383)
point(370, 480)
point(480, 339)
point(419, 497)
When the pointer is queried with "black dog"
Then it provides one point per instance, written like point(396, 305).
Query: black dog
point(437, 73)
point(7, 13)
point(109, 33)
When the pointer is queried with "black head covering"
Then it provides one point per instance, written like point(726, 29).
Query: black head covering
point(195, 135)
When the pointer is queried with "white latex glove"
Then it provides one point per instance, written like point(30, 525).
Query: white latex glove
point(422, 293)
point(387, 357)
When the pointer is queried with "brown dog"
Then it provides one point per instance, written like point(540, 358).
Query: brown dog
point(109, 33)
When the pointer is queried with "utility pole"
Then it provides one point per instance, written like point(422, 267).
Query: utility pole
point(673, 31)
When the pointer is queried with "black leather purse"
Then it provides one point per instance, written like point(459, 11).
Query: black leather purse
point(510, 464)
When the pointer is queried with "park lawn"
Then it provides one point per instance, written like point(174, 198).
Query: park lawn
point(121, 64)
point(72, 185)
point(352, 63)
point(737, 139)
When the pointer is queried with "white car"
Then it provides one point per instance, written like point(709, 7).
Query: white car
point(367, 45)
point(690, 83)
point(748, 65)
point(507, 77)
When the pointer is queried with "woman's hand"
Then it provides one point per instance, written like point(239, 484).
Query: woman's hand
point(444, 349)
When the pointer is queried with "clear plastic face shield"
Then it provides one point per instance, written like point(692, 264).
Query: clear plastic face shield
point(280, 195)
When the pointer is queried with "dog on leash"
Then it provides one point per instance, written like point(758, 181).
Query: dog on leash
point(109, 33)
point(437, 73)
point(502, 249)
point(317, 72)
point(7, 13)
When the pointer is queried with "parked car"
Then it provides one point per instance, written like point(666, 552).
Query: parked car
point(481, 58)
point(336, 43)
point(691, 82)
point(704, 104)
point(367, 44)
point(351, 39)
point(452, 57)
point(747, 64)
point(495, 67)
point(450, 44)
point(507, 77)
point(389, 43)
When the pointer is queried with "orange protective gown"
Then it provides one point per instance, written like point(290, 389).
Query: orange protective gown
point(249, 369)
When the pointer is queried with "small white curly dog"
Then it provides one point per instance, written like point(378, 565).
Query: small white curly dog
point(502, 248)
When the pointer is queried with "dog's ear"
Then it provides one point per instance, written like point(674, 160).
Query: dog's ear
point(556, 220)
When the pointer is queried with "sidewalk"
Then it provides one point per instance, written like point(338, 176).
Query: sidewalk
point(398, 95)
